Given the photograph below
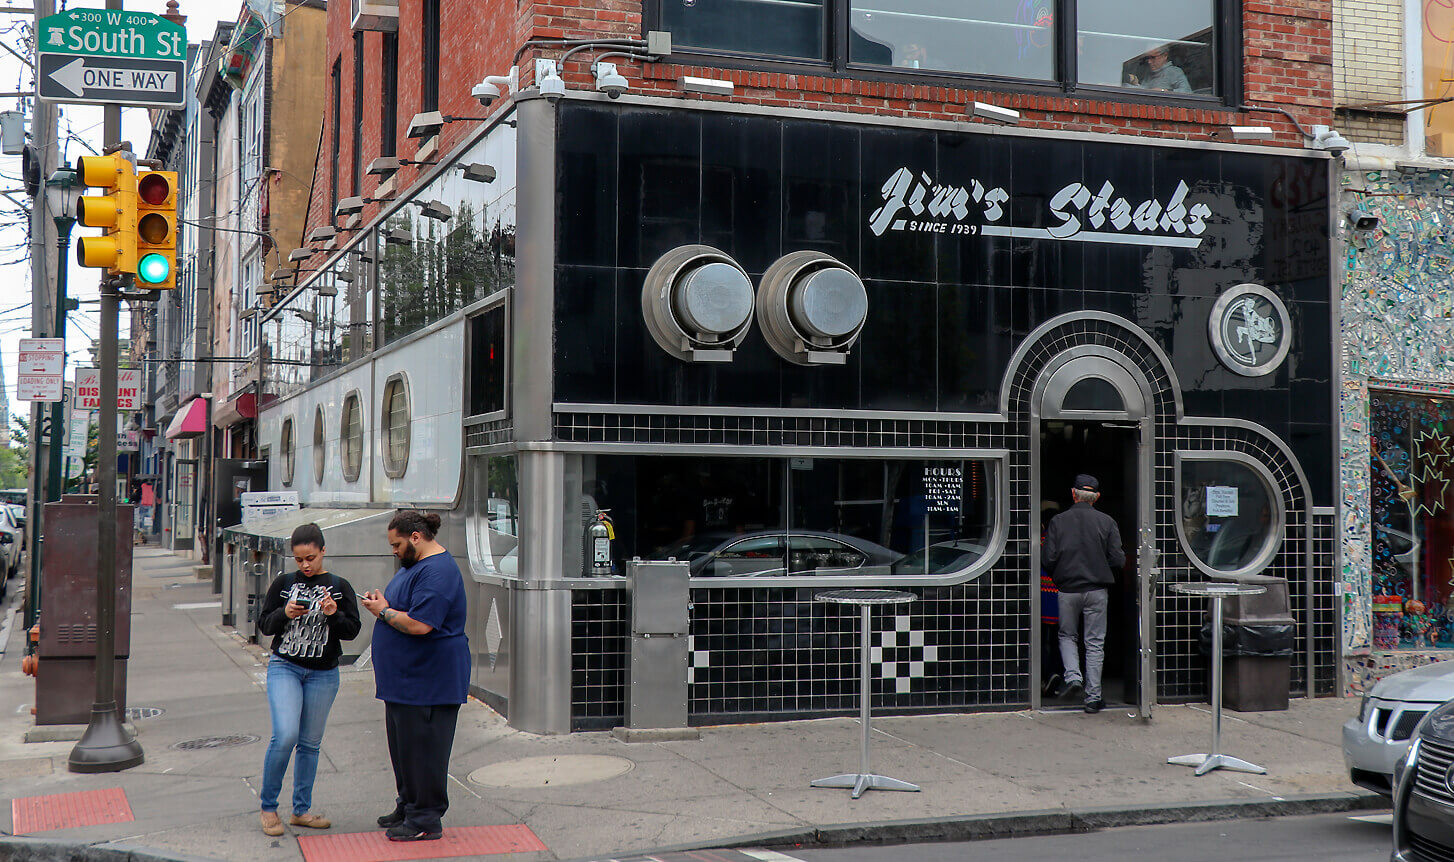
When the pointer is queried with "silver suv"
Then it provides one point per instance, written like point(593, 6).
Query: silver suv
point(1423, 804)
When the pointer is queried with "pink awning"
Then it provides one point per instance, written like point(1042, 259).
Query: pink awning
point(190, 421)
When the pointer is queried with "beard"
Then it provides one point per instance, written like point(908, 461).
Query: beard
point(410, 556)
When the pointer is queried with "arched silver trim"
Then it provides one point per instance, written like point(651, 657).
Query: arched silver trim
point(1033, 339)
point(1276, 537)
point(1078, 363)
point(1219, 343)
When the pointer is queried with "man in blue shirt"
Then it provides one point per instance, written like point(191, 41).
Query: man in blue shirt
point(421, 672)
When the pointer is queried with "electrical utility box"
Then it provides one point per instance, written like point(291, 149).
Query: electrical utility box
point(65, 684)
point(657, 674)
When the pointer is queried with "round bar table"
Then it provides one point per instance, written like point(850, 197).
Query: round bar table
point(865, 600)
point(1205, 763)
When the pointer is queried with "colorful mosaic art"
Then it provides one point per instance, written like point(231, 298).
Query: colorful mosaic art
point(1397, 322)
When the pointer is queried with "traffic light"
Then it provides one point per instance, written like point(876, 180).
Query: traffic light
point(114, 211)
point(156, 230)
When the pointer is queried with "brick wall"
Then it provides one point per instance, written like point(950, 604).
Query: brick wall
point(1287, 63)
point(1368, 51)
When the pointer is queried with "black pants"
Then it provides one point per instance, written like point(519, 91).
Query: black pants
point(420, 739)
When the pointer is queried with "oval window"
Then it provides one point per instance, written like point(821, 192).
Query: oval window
point(1230, 517)
point(352, 428)
point(286, 445)
point(319, 445)
point(396, 426)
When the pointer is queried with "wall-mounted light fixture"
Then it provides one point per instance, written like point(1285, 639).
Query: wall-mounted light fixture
point(478, 173)
point(298, 254)
point(383, 166)
point(437, 210)
point(994, 113)
point(1250, 133)
point(706, 86)
point(322, 234)
point(426, 124)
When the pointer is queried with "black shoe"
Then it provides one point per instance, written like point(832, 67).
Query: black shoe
point(1052, 685)
point(1071, 690)
point(393, 818)
point(405, 832)
point(1095, 706)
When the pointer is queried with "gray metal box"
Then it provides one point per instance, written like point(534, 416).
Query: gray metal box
point(659, 596)
point(657, 671)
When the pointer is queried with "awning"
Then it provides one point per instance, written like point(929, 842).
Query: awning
point(231, 412)
point(190, 421)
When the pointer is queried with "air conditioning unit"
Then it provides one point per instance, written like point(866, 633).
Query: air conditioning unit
point(381, 15)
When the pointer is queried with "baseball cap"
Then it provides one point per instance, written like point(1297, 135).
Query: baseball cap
point(1087, 482)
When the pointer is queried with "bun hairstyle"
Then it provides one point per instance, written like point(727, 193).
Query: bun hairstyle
point(307, 534)
point(409, 521)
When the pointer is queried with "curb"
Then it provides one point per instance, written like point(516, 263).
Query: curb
point(1024, 824)
point(42, 850)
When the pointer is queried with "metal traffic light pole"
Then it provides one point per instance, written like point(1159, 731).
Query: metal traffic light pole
point(106, 745)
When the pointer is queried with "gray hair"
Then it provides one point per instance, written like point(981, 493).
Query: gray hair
point(1082, 496)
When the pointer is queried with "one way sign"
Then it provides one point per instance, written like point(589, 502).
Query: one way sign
point(94, 80)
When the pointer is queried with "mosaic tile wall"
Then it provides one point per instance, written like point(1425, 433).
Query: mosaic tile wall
point(1397, 324)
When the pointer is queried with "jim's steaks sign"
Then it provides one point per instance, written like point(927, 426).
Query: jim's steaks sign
point(915, 203)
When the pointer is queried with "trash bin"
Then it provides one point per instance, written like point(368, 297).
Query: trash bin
point(1257, 646)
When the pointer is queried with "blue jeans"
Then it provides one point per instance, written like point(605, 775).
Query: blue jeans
point(299, 699)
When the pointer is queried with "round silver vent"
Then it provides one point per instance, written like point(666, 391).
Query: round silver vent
point(811, 308)
point(697, 303)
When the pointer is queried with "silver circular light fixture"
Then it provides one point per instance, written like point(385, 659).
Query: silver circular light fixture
point(811, 308)
point(697, 303)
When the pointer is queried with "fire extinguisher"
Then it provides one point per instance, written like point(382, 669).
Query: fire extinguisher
point(599, 536)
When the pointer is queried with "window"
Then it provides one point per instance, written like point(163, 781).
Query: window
point(352, 433)
point(388, 107)
point(286, 445)
point(429, 77)
point(762, 517)
point(1171, 47)
point(395, 424)
point(487, 362)
point(358, 164)
point(1230, 517)
point(333, 138)
point(319, 444)
point(493, 522)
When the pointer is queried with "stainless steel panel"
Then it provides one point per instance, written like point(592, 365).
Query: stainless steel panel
point(659, 597)
point(541, 647)
point(657, 675)
point(532, 327)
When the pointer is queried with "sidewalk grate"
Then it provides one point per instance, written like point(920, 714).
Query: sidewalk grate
point(66, 810)
point(207, 743)
point(457, 841)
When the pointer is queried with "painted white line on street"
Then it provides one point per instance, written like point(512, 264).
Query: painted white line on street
point(1386, 818)
point(465, 786)
point(196, 606)
point(768, 855)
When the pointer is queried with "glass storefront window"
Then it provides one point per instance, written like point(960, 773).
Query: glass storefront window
point(1229, 517)
point(493, 527)
point(1010, 40)
point(784, 28)
point(1413, 536)
point(1168, 46)
point(763, 517)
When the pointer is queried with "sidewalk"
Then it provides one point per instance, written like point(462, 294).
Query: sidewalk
point(589, 795)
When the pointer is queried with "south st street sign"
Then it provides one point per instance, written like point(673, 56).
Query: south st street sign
point(110, 56)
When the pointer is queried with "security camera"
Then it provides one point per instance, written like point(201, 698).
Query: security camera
point(1328, 139)
point(552, 87)
point(609, 81)
point(1362, 220)
point(485, 92)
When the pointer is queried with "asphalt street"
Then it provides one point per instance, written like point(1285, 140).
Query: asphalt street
point(1326, 838)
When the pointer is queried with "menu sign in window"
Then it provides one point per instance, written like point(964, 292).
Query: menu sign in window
point(943, 488)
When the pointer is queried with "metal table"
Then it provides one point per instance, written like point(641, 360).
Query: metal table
point(866, 600)
point(1205, 763)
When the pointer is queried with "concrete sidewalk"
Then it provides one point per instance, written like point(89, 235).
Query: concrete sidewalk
point(588, 795)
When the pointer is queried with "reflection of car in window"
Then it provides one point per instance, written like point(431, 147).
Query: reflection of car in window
point(774, 553)
point(941, 559)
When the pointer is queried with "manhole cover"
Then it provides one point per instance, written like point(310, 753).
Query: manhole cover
point(552, 771)
point(138, 712)
point(208, 742)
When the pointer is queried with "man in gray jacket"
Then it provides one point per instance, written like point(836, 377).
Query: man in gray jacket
point(1082, 550)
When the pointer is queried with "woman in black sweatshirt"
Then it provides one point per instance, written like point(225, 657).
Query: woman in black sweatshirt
point(308, 613)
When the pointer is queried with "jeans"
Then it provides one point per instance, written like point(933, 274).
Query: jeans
point(299, 699)
point(1092, 605)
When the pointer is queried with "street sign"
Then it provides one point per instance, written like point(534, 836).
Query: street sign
point(128, 389)
point(112, 80)
point(42, 369)
point(111, 56)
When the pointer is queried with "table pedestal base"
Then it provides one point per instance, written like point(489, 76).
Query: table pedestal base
point(860, 782)
point(1205, 763)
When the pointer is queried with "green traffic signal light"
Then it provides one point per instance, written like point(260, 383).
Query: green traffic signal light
point(153, 269)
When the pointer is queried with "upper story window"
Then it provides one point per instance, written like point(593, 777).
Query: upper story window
point(429, 56)
point(1171, 47)
point(388, 105)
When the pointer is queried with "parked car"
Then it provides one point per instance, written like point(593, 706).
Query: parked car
point(767, 553)
point(940, 559)
point(1379, 737)
point(1423, 804)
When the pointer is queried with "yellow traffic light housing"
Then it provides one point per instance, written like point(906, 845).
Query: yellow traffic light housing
point(114, 211)
point(156, 230)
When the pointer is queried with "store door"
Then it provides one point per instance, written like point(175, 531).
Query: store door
point(1090, 417)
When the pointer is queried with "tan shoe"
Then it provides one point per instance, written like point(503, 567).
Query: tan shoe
point(272, 823)
point(312, 821)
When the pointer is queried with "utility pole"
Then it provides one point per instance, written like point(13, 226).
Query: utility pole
point(106, 745)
